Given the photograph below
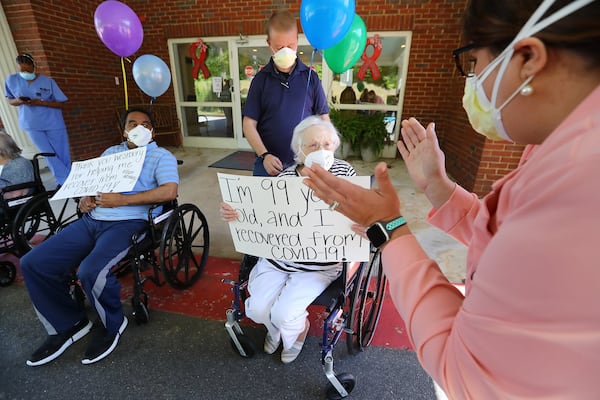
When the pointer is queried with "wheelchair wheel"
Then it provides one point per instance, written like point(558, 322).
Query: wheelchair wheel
point(348, 382)
point(247, 345)
point(36, 221)
point(184, 246)
point(8, 273)
point(365, 307)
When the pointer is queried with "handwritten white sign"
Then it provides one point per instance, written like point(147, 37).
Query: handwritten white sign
point(113, 173)
point(282, 219)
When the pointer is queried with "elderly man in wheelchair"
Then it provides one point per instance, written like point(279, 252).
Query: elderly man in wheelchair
point(92, 245)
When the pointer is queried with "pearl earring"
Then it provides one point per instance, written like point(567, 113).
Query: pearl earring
point(527, 90)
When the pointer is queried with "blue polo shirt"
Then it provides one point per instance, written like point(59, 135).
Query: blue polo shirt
point(277, 102)
point(160, 167)
point(36, 118)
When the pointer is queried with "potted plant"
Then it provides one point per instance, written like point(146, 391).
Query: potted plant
point(363, 132)
point(372, 136)
point(349, 127)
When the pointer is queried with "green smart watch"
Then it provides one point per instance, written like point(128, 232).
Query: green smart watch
point(379, 233)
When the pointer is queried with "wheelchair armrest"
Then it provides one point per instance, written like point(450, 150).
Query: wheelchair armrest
point(15, 195)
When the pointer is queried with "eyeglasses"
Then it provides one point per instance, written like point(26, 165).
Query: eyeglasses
point(314, 146)
point(464, 63)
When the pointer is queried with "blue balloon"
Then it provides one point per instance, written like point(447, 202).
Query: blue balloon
point(326, 22)
point(152, 75)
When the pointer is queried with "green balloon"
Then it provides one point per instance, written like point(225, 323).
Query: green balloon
point(346, 52)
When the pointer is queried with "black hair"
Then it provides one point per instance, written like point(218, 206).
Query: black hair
point(25, 58)
point(136, 109)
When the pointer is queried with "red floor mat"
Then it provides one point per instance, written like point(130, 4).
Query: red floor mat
point(209, 298)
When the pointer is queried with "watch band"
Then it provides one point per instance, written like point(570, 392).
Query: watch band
point(263, 155)
point(379, 233)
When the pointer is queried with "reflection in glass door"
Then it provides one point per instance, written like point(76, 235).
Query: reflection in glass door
point(204, 104)
point(253, 54)
point(210, 109)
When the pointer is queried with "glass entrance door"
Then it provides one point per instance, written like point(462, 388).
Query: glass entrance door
point(252, 55)
point(210, 108)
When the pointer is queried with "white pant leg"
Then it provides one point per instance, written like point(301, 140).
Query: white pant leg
point(264, 285)
point(288, 312)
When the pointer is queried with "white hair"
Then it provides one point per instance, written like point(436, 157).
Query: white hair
point(313, 120)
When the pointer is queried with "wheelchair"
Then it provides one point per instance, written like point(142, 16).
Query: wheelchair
point(353, 305)
point(28, 217)
point(173, 250)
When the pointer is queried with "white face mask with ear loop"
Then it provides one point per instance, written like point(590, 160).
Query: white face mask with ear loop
point(483, 114)
point(322, 157)
point(140, 136)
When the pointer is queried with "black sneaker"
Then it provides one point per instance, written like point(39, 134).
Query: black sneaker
point(102, 343)
point(55, 345)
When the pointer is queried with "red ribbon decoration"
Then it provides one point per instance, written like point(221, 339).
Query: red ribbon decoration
point(198, 60)
point(369, 62)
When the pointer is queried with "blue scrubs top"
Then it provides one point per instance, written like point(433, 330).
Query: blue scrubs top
point(36, 118)
point(279, 102)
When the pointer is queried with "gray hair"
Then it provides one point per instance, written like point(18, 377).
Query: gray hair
point(8, 147)
point(308, 122)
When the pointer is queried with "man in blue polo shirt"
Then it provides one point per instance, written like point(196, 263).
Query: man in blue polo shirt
point(93, 245)
point(40, 101)
point(279, 98)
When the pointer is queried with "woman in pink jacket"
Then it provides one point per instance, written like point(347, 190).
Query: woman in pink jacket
point(529, 324)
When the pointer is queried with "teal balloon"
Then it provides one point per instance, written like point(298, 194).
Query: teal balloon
point(151, 74)
point(342, 56)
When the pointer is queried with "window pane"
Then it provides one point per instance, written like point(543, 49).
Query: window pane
point(217, 62)
point(208, 121)
point(385, 90)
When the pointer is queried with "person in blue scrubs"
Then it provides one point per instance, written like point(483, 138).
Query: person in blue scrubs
point(40, 102)
point(280, 96)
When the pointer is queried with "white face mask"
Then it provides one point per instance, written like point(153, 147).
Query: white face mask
point(140, 136)
point(284, 58)
point(484, 116)
point(322, 157)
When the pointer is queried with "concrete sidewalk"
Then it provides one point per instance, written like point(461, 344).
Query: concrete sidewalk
point(181, 357)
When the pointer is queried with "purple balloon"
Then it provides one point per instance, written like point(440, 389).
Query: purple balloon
point(119, 27)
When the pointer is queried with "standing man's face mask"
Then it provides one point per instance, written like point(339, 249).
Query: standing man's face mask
point(484, 116)
point(140, 136)
point(284, 58)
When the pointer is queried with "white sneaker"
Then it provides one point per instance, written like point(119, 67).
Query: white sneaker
point(289, 355)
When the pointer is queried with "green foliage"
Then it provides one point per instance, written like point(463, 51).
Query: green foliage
point(360, 129)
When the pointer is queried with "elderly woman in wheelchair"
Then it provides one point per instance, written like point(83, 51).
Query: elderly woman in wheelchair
point(14, 168)
point(280, 292)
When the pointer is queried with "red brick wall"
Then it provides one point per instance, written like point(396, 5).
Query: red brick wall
point(62, 37)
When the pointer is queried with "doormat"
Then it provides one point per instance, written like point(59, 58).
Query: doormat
point(241, 160)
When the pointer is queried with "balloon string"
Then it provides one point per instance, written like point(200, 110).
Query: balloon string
point(312, 60)
point(124, 83)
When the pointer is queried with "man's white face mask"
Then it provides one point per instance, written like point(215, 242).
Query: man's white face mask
point(140, 136)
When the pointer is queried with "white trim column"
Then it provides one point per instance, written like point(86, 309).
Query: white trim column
point(8, 113)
